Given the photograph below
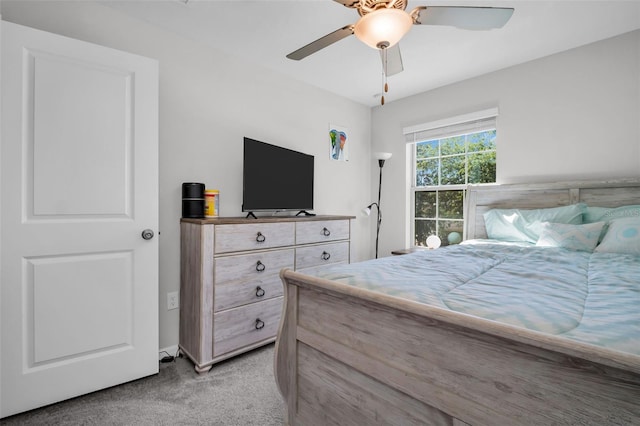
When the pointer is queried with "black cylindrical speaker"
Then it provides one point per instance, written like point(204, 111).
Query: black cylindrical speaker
point(193, 200)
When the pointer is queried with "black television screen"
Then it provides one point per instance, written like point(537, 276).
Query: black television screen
point(276, 178)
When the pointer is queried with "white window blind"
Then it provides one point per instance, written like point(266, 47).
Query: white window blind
point(453, 126)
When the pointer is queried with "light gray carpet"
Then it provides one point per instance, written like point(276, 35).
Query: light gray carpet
point(239, 391)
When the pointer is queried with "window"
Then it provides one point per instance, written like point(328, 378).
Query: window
point(445, 157)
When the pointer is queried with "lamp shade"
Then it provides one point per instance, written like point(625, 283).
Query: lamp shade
point(382, 155)
point(383, 26)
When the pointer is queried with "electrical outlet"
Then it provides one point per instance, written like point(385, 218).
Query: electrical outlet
point(173, 300)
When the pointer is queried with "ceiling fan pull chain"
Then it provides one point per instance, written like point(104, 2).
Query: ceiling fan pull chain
point(385, 86)
point(386, 65)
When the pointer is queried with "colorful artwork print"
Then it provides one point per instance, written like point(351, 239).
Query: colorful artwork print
point(338, 139)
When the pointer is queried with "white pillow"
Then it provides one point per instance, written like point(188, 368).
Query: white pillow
point(623, 236)
point(572, 237)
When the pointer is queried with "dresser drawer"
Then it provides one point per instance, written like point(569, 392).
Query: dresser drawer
point(241, 237)
point(321, 231)
point(238, 294)
point(249, 278)
point(322, 254)
point(252, 266)
point(239, 327)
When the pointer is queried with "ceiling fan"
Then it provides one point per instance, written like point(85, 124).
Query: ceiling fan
point(383, 23)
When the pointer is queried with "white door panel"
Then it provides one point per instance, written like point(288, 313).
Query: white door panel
point(100, 285)
point(81, 126)
point(79, 183)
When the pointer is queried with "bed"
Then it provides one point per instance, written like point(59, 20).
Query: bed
point(365, 344)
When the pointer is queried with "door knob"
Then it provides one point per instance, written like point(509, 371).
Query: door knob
point(147, 234)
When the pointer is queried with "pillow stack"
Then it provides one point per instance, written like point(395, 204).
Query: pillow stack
point(574, 227)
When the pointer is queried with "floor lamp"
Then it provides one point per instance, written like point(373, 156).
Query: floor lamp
point(381, 157)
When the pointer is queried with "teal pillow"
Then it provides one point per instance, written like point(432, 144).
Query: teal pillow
point(525, 225)
point(605, 214)
point(572, 237)
point(504, 225)
point(623, 236)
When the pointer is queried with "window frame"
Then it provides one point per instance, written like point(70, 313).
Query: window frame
point(442, 129)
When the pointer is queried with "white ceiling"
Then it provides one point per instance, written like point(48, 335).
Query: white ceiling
point(264, 31)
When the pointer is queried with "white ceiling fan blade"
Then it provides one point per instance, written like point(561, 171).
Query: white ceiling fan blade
point(469, 18)
point(321, 43)
point(393, 63)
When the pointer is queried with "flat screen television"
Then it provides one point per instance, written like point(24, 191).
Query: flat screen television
point(276, 178)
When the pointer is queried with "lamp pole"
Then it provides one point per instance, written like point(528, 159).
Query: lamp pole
point(381, 164)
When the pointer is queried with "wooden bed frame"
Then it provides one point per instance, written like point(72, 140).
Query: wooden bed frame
point(350, 356)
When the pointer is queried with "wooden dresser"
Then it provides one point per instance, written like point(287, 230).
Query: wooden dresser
point(230, 288)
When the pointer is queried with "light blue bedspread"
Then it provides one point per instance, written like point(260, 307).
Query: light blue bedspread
point(589, 297)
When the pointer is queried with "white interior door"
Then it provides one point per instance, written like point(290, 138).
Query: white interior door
point(79, 184)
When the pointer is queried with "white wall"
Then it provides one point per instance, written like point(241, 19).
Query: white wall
point(573, 115)
point(208, 102)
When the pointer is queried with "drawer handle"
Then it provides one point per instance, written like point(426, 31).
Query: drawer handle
point(259, 324)
point(259, 291)
point(325, 255)
point(260, 266)
point(260, 238)
point(326, 232)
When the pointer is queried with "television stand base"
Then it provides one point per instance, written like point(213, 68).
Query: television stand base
point(304, 212)
point(250, 214)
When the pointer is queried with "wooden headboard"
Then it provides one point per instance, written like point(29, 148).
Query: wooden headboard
point(481, 198)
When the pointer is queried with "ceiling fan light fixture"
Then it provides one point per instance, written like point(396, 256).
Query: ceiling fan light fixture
point(383, 27)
